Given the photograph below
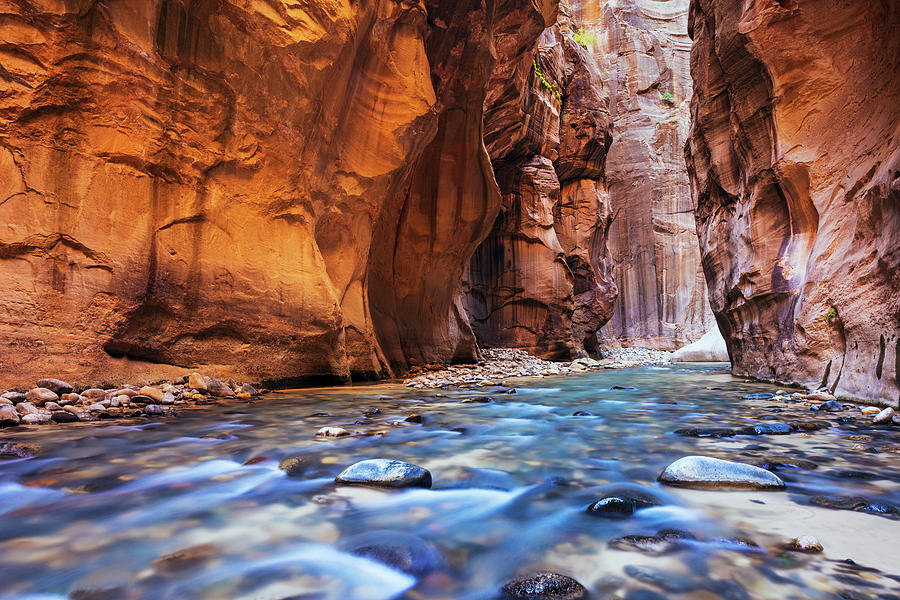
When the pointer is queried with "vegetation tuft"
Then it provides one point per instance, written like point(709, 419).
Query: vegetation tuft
point(547, 84)
point(584, 38)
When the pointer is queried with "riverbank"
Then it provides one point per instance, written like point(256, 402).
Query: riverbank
point(502, 363)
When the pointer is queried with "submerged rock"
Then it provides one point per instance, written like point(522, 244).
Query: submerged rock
point(543, 586)
point(768, 429)
point(664, 542)
point(854, 503)
point(716, 432)
point(709, 473)
point(295, 465)
point(830, 406)
point(401, 551)
point(380, 472)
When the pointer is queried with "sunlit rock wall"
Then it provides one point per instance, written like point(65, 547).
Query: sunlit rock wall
point(795, 160)
point(644, 46)
point(269, 190)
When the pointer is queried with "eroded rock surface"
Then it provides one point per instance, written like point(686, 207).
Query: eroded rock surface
point(643, 50)
point(274, 190)
point(794, 156)
point(542, 279)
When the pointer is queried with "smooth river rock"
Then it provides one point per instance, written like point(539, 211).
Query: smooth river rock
point(711, 473)
point(543, 586)
point(380, 472)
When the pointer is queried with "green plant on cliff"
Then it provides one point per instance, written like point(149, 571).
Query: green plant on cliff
point(547, 84)
point(668, 97)
point(829, 316)
point(584, 38)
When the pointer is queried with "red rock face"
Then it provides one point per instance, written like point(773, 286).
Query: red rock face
point(541, 280)
point(644, 47)
point(794, 157)
point(268, 190)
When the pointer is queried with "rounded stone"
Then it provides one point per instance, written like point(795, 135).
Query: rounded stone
point(8, 416)
point(620, 501)
point(56, 385)
point(710, 473)
point(62, 416)
point(380, 472)
point(885, 416)
point(39, 395)
point(543, 586)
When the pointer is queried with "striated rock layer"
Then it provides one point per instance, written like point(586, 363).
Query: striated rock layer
point(542, 279)
point(794, 156)
point(644, 47)
point(270, 190)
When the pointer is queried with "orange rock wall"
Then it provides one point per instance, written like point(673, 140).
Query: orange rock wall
point(794, 157)
point(265, 189)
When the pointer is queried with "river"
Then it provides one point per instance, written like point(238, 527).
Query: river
point(197, 507)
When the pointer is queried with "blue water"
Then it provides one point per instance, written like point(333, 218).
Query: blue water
point(197, 507)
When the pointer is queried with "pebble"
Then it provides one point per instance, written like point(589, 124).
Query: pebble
point(382, 472)
point(332, 432)
point(885, 416)
point(805, 543)
point(38, 396)
point(705, 472)
point(543, 586)
point(218, 388)
point(56, 385)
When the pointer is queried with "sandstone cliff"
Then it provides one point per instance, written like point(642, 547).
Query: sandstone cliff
point(794, 156)
point(642, 259)
point(541, 280)
point(268, 189)
point(643, 45)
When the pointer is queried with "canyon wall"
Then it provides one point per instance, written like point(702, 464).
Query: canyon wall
point(638, 258)
point(794, 156)
point(542, 279)
point(266, 190)
point(644, 47)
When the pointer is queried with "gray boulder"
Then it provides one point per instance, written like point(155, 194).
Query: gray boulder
point(712, 473)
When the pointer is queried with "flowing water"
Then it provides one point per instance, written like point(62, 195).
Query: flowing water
point(197, 507)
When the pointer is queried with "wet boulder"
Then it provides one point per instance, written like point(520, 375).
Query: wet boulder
point(767, 429)
point(620, 501)
point(380, 472)
point(830, 406)
point(885, 416)
point(705, 472)
point(702, 432)
point(855, 503)
point(543, 586)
